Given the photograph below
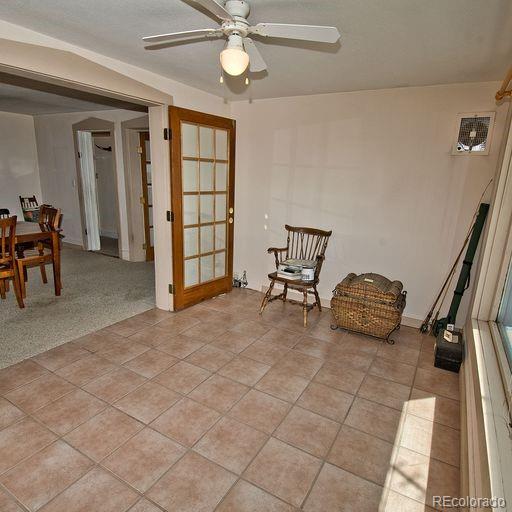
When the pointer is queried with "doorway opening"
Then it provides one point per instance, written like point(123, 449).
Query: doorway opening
point(106, 192)
point(97, 186)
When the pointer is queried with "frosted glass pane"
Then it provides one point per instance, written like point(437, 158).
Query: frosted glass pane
point(148, 150)
point(206, 239)
point(206, 142)
point(151, 237)
point(221, 176)
point(189, 176)
point(206, 208)
point(150, 216)
point(190, 210)
point(190, 242)
point(206, 268)
point(221, 144)
point(189, 139)
point(191, 272)
point(150, 195)
point(206, 176)
point(220, 236)
point(149, 176)
point(220, 207)
point(220, 264)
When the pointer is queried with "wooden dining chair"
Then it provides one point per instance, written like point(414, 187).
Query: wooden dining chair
point(47, 216)
point(8, 268)
point(29, 207)
point(301, 244)
point(46, 252)
point(4, 214)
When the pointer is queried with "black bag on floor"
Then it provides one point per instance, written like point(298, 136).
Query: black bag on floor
point(448, 352)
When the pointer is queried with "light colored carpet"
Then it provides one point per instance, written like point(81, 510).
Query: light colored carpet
point(98, 291)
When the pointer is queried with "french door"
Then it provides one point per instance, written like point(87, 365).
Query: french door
point(202, 181)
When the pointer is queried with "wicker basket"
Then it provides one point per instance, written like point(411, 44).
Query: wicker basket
point(369, 304)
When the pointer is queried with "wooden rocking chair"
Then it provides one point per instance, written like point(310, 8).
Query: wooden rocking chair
point(303, 244)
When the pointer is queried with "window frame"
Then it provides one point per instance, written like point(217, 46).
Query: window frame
point(492, 373)
point(496, 262)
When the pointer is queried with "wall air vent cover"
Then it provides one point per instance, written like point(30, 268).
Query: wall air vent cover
point(474, 132)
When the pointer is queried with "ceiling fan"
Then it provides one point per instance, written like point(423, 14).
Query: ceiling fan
point(240, 51)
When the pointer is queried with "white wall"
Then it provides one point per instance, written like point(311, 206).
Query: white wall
point(373, 166)
point(57, 167)
point(106, 184)
point(19, 174)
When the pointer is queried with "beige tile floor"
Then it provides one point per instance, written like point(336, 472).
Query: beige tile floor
point(217, 408)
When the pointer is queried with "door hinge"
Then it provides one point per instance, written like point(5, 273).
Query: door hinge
point(144, 247)
point(79, 155)
point(171, 289)
point(139, 150)
point(170, 216)
point(167, 134)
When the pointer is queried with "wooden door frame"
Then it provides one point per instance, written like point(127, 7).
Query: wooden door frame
point(149, 249)
point(131, 159)
point(216, 287)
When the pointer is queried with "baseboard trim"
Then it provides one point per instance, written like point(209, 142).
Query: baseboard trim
point(75, 244)
point(406, 320)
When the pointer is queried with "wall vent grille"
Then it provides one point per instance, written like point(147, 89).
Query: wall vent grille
point(474, 131)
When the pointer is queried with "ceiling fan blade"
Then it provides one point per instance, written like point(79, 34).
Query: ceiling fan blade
point(215, 8)
point(256, 62)
point(303, 32)
point(206, 32)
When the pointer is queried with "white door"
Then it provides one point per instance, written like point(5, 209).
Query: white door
point(89, 191)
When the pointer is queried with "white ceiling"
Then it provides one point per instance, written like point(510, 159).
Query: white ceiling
point(28, 101)
point(384, 43)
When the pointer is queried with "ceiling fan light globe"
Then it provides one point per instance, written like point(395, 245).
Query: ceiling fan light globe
point(234, 61)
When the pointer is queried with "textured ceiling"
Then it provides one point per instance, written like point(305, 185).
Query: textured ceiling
point(28, 101)
point(384, 43)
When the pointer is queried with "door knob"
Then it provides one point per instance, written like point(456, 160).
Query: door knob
point(231, 210)
point(230, 220)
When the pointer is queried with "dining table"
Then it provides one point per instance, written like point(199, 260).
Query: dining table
point(33, 232)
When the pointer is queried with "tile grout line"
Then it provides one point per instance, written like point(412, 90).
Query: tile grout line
point(325, 459)
point(224, 414)
point(14, 497)
point(149, 380)
point(120, 366)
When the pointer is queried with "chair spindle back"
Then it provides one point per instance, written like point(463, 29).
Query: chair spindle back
point(28, 202)
point(306, 244)
point(4, 213)
point(29, 207)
